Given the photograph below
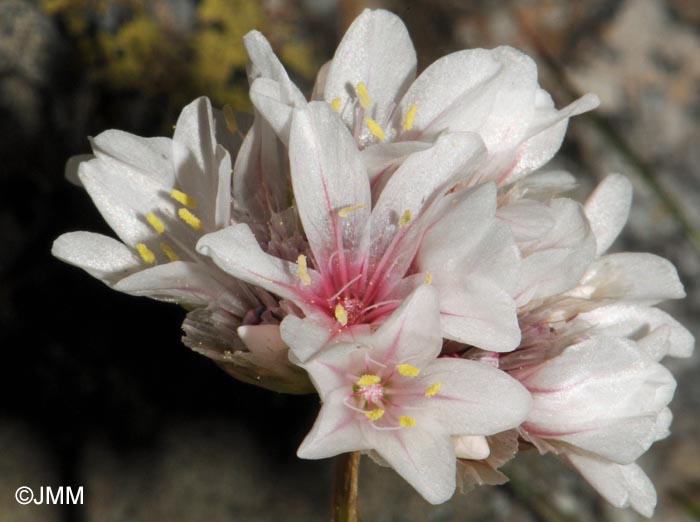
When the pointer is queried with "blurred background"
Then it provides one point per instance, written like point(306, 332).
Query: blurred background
point(96, 389)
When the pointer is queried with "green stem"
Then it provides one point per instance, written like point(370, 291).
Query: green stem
point(345, 493)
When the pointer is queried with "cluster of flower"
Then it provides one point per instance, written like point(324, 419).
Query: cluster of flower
point(388, 243)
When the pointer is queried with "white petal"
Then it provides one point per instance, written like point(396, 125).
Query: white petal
point(634, 278)
point(473, 399)
point(663, 424)
point(555, 262)
point(185, 283)
point(236, 251)
point(376, 50)
point(636, 322)
point(412, 332)
point(381, 157)
point(327, 176)
point(304, 337)
point(466, 238)
point(603, 395)
point(72, 165)
point(474, 447)
point(550, 272)
point(476, 311)
point(100, 256)
point(491, 92)
point(260, 174)
point(409, 192)
point(571, 229)
point(424, 458)
point(543, 186)
point(335, 431)
point(267, 97)
point(264, 64)
point(195, 129)
point(148, 156)
point(319, 91)
point(222, 201)
point(262, 338)
point(545, 134)
point(607, 209)
point(621, 485)
point(527, 219)
point(123, 196)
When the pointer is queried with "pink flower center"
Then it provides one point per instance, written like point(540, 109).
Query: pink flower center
point(372, 393)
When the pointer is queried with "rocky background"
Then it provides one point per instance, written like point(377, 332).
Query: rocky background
point(96, 389)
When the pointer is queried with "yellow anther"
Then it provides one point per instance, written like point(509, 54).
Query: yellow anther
point(156, 223)
point(433, 389)
point(363, 94)
point(410, 117)
point(230, 118)
point(183, 198)
point(169, 252)
point(375, 129)
point(368, 379)
point(146, 254)
point(375, 414)
point(189, 218)
point(336, 104)
point(407, 422)
point(407, 370)
point(302, 270)
point(345, 211)
point(341, 314)
point(428, 278)
point(406, 218)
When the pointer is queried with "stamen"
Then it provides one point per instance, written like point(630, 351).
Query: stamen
point(189, 218)
point(410, 117)
point(336, 104)
point(183, 198)
point(368, 379)
point(428, 278)
point(407, 370)
point(146, 254)
point(407, 422)
point(363, 94)
point(302, 270)
point(433, 389)
point(345, 287)
point(230, 118)
point(375, 414)
point(375, 129)
point(406, 218)
point(156, 223)
point(345, 211)
point(341, 314)
point(169, 252)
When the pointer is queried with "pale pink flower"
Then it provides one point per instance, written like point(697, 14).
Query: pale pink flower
point(388, 392)
point(371, 82)
point(160, 196)
point(365, 256)
point(592, 341)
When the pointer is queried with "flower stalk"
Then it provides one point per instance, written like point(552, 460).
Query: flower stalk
point(345, 493)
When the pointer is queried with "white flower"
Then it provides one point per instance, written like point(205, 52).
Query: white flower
point(160, 196)
point(371, 83)
point(601, 403)
point(592, 338)
point(368, 251)
point(389, 392)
